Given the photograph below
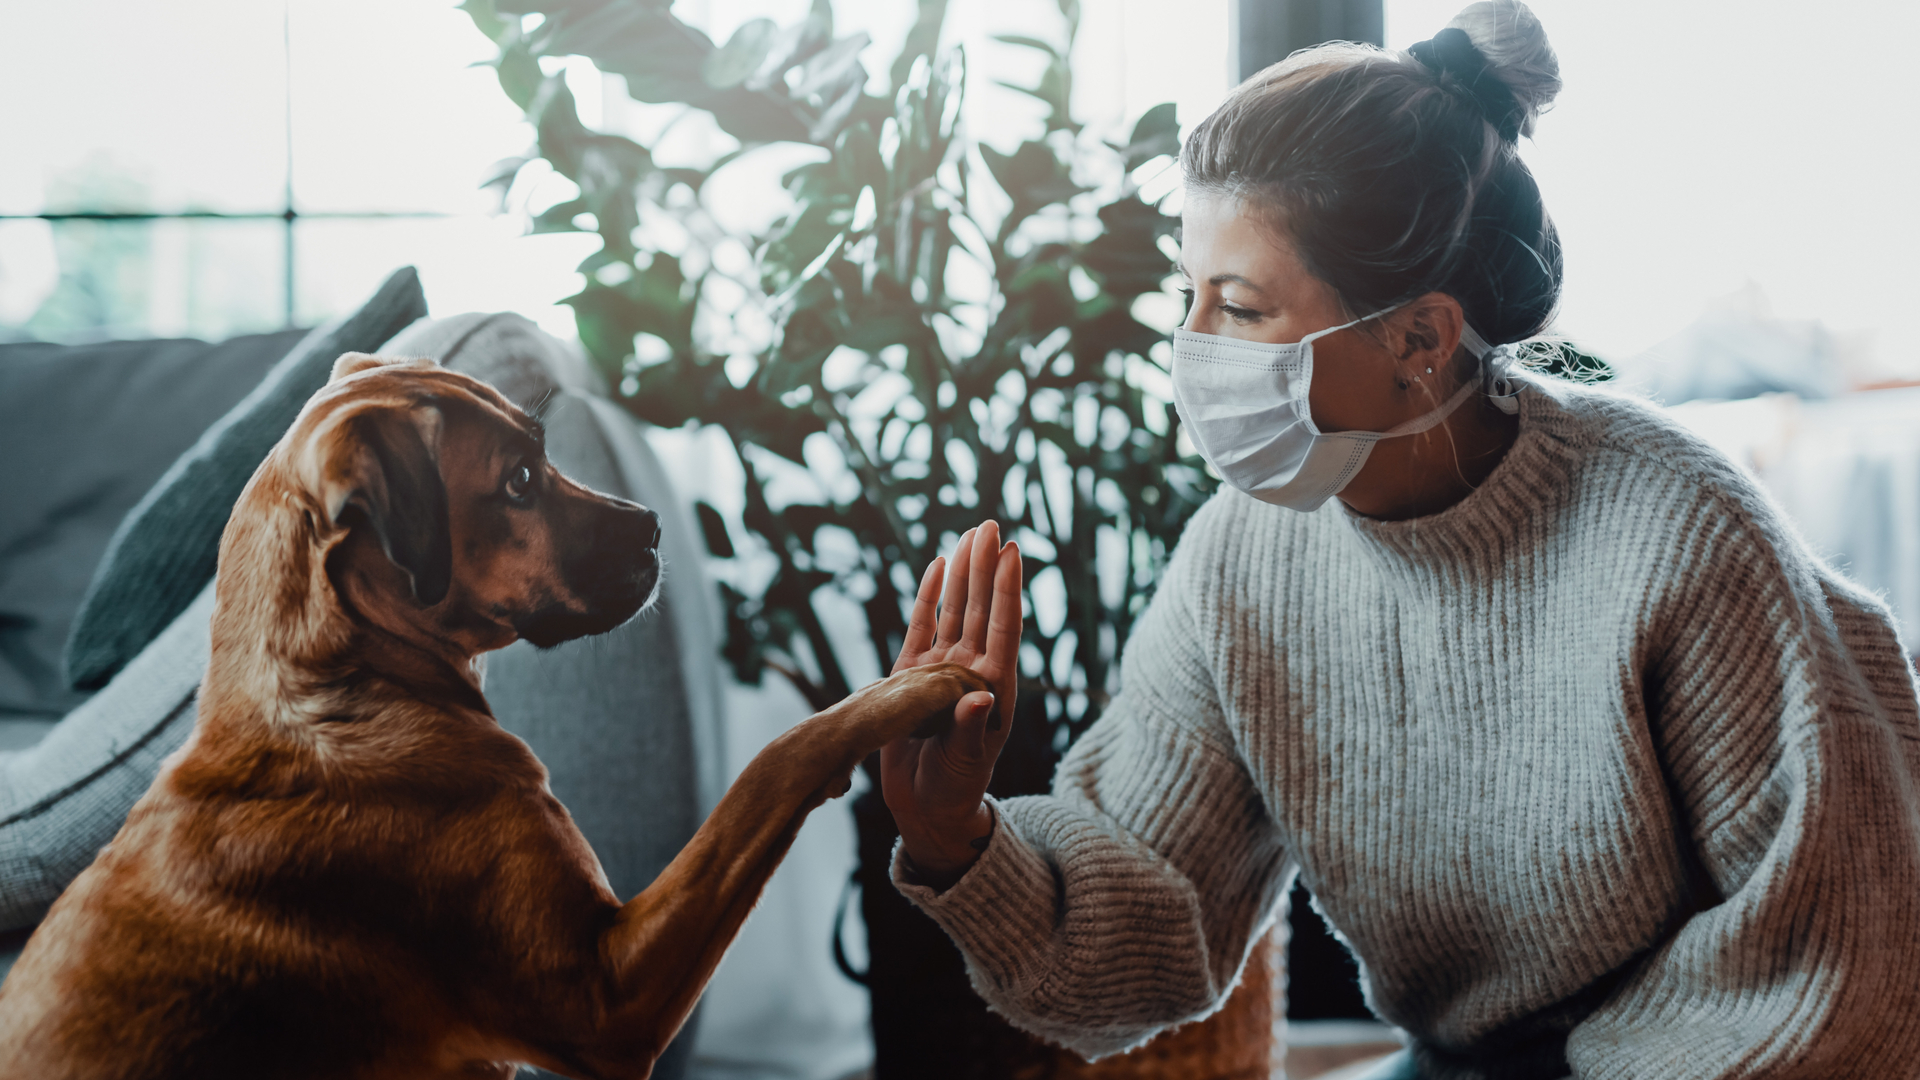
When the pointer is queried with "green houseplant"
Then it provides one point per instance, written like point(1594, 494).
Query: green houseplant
point(919, 407)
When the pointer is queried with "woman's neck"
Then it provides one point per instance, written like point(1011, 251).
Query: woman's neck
point(1417, 475)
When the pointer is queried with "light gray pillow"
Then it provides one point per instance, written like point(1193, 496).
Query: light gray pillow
point(167, 547)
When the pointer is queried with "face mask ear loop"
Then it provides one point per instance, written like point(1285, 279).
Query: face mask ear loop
point(1318, 334)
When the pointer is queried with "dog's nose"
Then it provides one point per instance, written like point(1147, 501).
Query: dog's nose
point(650, 528)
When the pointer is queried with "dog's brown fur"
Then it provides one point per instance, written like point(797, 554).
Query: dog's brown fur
point(350, 869)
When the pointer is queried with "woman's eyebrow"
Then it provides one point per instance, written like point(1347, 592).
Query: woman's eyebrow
point(1217, 279)
point(1222, 279)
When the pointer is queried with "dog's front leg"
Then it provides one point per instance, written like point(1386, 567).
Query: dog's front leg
point(666, 942)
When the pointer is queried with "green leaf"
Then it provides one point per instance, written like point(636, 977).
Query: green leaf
point(713, 530)
point(753, 116)
point(1156, 133)
point(828, 71)
point(922, 40)
point(488, 19)
point(1028, 42)
point(661, 57)
point(834, 116)
point(857, 154)
point(742, 55)
point(1033, 176)
point(790, 257)
point(1126, 257)
point(519, 73)
point(559, 218)
point(502, 173)
point(1071, 10)
point(797, 43)
point(1055, 89)
point(876, 332)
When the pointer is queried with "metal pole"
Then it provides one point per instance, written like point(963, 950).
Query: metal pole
point(1266, 31)
point(289, 214)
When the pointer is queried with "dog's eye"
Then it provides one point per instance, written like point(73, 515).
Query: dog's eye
point(519, 483)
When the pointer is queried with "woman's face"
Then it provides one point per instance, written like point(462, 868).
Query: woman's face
point(1248, 282)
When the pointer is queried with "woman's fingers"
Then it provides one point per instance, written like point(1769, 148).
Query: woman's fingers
point(1003, 631)
point(920, 624)
point(979, 570)
point(953, 605)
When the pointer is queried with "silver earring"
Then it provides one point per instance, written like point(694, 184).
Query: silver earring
point(1429, 371)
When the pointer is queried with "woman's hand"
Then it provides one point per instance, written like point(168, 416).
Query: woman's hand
point(935, 786)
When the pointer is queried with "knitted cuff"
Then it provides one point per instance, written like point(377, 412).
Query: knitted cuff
point(1000, 912)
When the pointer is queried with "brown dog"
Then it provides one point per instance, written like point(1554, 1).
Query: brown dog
point(350, 870)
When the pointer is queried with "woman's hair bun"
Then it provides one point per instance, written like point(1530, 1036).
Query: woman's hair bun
point(1510, 37)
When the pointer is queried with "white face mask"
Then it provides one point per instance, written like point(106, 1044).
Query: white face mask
point(1244, 404)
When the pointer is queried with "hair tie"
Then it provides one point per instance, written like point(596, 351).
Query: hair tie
point(1452, 52)
point(1496, 369)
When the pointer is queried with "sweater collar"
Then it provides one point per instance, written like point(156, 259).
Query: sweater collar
point(1509, 514)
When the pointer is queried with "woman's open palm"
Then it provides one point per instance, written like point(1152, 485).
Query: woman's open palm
point(972, 617)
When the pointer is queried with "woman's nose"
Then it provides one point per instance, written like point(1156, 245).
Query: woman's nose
point(1194, 322)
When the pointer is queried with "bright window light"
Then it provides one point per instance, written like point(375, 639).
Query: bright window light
point(1705, 144)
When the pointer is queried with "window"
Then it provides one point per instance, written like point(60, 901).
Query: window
point(146, 189)
point(240, 166)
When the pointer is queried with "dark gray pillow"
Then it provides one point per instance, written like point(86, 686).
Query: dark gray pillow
point(166, 549)
point(85, 431)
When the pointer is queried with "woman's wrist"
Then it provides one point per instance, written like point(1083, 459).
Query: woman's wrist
point(942, 850)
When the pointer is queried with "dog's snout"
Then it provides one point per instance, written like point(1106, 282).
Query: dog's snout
point(611, 566)
point(629, 529)
point(623, 550)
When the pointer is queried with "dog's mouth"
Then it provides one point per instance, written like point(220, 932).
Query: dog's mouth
point(610, 604)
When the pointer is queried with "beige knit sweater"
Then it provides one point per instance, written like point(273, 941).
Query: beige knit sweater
point(1598, 771)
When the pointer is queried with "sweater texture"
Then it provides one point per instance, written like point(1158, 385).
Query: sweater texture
point(1599, 772)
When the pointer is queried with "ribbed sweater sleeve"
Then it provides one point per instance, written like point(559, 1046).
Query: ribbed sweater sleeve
point(1784, 714)
point(1127, 900)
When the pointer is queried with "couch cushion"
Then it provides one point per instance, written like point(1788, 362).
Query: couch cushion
point(166, 548)
point(91, 428)
point(505, 351)
point(62, 800)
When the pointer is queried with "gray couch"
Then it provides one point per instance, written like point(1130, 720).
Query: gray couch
point(627, 722)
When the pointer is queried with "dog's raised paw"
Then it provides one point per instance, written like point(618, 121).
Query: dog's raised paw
point(934, 724)
point(959, 681)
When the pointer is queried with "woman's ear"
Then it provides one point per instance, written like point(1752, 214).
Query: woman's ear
point(1426, 334)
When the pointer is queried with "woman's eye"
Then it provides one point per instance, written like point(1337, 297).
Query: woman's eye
point(1239, 314)
point(519, 482)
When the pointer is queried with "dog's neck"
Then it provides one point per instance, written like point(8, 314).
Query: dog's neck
point(425, 673)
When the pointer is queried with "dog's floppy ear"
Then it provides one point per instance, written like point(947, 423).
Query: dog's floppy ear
point(393, 479)
point(354, 363)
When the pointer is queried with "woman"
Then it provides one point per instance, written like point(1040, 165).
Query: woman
point(1595, 767)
